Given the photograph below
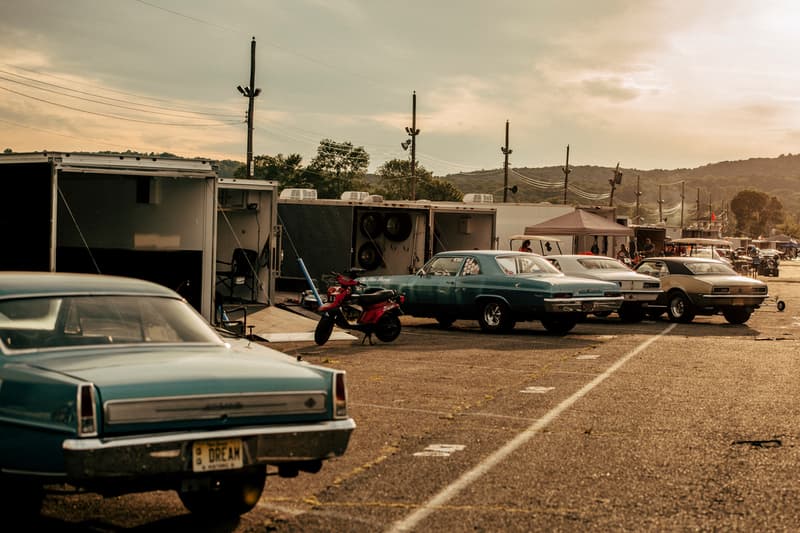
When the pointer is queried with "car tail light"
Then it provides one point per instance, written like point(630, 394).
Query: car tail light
point(87, 411)
point(402, 298)
point(611, 294)
point(562, 295)
point(720, 290)
point(340, 396)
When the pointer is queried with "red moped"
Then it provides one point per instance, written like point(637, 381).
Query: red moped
point(377, 311)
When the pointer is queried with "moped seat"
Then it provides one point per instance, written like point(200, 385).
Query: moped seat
point(373, 297)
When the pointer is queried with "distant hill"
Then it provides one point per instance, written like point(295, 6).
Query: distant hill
point(717, 183)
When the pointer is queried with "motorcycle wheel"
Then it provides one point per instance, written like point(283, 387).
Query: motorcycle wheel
point(388, 328)
point(324, 329)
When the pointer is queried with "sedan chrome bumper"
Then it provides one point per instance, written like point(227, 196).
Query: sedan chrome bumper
point(641, 296)
point(718, 300)
point(95, 459)
point(582, 305)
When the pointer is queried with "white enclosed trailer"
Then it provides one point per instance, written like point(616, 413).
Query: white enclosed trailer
point(168, 220)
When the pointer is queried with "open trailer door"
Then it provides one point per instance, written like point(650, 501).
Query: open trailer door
point(246, 241)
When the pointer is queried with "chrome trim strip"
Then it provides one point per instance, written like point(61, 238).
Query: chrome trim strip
point(214, 406)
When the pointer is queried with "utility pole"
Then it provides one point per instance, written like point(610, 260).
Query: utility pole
point(697, 209)
point(506, 151)
point(683, 196)
point(250, 93)
point(710, 210)
point(638, 194)
point(616, 180)
point(660, 205)
point(566, 171)
point(412, 141)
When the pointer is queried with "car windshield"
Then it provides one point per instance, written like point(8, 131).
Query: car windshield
point(710, 267)
point(54, 322)
point(525, 264)
point(601, 263)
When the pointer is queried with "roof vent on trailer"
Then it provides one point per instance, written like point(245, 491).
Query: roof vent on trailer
point(478, 198)
point(298, 194)
point(377, 198)
point(355, 196)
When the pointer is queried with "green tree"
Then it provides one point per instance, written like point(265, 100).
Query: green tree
point(286, 170)
point(337, 167)
point(394, 183)
point(8, 151)
point(789, 226)
point(756, 212)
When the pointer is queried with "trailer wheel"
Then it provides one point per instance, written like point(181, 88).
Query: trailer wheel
point(368, 256)
point(372, 224)
point(398, 226)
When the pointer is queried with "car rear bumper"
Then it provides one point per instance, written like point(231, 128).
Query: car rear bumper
point(94, 459)
point(641, 296)
point(737, 300)
point(582, 305)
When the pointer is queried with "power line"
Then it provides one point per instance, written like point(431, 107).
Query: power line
point(336, 69)
point(149, 106)
point(117, 117)
point(51, 132)
point(118, 106)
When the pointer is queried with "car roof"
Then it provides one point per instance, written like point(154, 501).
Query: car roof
point(683, 259)
point(491, 253)
point(580, 256)
point(16, 284)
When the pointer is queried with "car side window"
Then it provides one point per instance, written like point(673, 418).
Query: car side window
point(471, 267)
point(507, 265)
point(656, 269)
point(444, 266)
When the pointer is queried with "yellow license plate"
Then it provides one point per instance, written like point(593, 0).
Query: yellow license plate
point(211, 455)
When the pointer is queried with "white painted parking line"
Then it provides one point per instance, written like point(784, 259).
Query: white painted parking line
point(440, 450)
point(536, 390)
point(588, 356)
point(449, 492)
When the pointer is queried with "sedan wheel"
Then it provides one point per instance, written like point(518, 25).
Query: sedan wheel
point(445, 321)
point(21, 500)
point(495, 317)
point(736, 315)
point(680, 308)
point(630, 312)
point(226, 496)
point(559, 325)
point(654, 314)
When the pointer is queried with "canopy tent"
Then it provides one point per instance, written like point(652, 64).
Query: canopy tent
point(779, 238)
point(579, 222)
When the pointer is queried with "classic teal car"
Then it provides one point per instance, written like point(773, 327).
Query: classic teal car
point(499, 289)
point(115, 385)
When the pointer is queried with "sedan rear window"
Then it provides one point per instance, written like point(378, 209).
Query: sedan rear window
point(33, 323)
point(602, 263)
point(710, 267)
point(525, 264)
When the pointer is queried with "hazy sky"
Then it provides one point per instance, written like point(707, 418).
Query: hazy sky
point(651, 84)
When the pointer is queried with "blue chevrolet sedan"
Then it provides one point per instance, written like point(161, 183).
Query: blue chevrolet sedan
point(115, 385)
point(498, 289)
